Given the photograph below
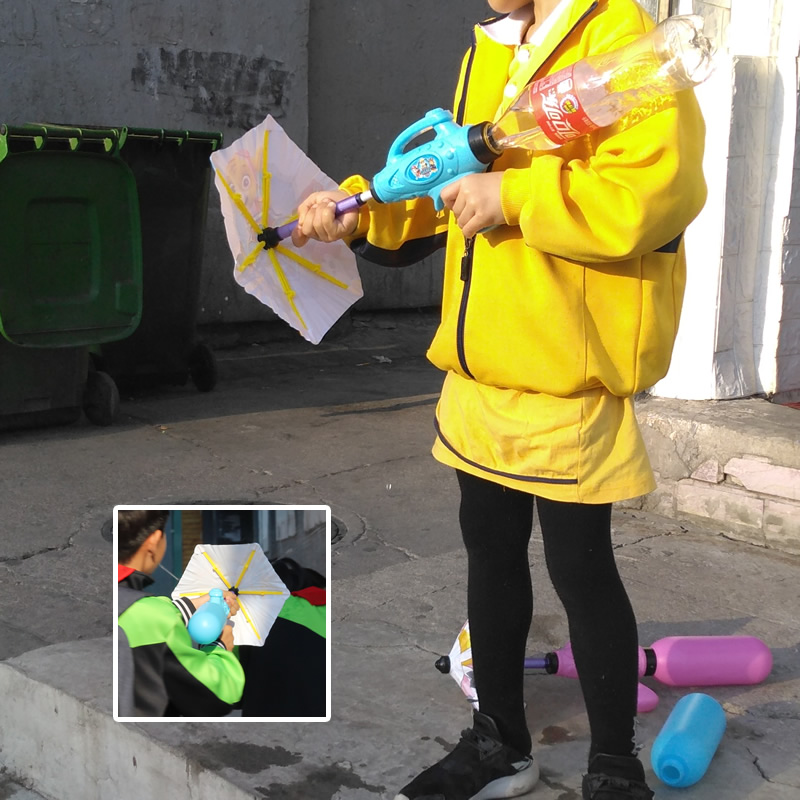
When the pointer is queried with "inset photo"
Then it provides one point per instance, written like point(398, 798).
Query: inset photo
point(222, 613)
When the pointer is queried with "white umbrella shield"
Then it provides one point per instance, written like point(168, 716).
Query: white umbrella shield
point(245, 569)
point(261, 178)
point(461, 665)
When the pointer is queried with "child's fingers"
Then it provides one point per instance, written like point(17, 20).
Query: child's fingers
point(299, 239)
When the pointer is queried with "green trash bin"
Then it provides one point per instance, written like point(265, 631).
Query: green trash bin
point(173, 173)
point(70, 270)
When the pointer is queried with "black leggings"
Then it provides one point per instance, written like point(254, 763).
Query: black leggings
point(496, 525)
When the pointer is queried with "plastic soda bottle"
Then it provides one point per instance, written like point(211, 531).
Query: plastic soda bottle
point(686, 744)
point(207, 622)
point(601, 89)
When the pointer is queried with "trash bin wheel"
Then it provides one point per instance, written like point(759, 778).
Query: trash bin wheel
point(203, 367)
point(100, 398)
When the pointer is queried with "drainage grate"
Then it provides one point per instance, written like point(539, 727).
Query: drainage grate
point(338, 530)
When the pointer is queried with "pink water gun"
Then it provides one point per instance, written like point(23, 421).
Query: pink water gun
point(673, 660)
point(684, 661)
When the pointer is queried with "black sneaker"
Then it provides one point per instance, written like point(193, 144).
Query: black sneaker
point(615, 778)
point(480, 767)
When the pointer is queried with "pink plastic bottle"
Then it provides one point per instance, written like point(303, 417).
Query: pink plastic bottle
point(706, 660)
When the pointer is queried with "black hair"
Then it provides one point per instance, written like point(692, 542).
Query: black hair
point(133, 527)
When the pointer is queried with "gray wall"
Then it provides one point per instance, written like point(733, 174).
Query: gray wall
point(343, 78)
point(376, 67)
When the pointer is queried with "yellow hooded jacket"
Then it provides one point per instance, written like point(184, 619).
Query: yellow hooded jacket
point(553, 321)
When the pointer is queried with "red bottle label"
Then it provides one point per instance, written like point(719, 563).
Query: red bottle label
point(557, 109)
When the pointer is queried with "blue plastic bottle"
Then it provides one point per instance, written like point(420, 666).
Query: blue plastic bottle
point(207, 622)
point(686, 744)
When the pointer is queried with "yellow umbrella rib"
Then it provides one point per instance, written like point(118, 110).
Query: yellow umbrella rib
point(216, 569)
point(249, 621)
point(253, 591)
point(287, 288)
point(251, 259)
point(265, 182)
point(239, 203)
point(245, 567)
point(315, 268)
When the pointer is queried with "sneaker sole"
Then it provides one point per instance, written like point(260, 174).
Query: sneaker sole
point(502, 788)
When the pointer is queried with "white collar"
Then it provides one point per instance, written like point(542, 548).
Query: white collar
point(511, 28)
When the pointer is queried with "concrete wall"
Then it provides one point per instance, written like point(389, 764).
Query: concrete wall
point(740, 248)
point(788, 361)
point(374, 69)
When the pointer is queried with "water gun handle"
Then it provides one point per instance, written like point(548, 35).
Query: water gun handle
point(455, 151)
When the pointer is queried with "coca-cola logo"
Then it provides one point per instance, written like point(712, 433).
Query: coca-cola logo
point(555, 109)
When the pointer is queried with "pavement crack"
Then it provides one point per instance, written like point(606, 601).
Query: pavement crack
point(411, 556)
point(34, 553)
point(758, 766)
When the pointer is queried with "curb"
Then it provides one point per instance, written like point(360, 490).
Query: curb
point(52, 732)
point(734, 465)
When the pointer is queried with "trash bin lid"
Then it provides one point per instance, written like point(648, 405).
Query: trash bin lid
point(70, 247)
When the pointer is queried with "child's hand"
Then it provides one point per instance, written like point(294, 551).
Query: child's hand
point(475, 202)
point(316, 219)
point(232, 601)
point(229, 597)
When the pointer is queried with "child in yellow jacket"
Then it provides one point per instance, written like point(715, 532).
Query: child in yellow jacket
point(552, 319)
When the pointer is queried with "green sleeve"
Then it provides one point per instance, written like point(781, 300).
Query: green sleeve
point(198, 682)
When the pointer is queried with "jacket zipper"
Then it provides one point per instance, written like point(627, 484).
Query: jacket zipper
point(469, 245)
point(466, 258)
point(466, 277)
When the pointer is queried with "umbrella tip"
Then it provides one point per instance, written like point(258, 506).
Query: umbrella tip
point(443, 664)
point(270, 238)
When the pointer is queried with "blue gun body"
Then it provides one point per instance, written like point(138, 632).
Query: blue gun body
point(454, 152)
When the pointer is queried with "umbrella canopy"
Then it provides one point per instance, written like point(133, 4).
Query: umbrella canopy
point(261, 178)
point(245, 570)
point(461, 665)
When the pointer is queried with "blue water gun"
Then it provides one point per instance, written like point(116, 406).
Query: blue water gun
point(455, 151)
point(207, 622)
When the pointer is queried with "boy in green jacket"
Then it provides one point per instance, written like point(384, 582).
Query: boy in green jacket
point(170, 676)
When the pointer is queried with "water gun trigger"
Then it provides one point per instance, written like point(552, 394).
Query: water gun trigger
point(436, 192)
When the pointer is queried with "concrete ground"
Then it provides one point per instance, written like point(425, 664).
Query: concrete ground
point(348, 424)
